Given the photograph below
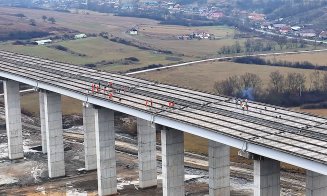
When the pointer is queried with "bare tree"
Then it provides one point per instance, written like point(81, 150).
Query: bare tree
point(324, 82)
point(316, 81)
point(52, 20)
point(229, 87)
point(250, 80)
point(295, 83)
point(277, 82)
point(44, 18)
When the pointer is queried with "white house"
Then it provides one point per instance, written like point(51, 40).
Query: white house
point(80, 36)
point(133, 31)
point(296, 28)
point(43, 42)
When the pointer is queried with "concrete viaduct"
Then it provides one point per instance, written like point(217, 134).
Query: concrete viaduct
point(267, 134)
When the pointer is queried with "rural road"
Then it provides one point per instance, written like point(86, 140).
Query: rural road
point(222, 58)
point(288, 37)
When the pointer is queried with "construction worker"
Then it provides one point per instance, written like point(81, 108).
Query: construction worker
point(246, 104)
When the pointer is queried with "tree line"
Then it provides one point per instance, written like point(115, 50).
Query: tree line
point(279, 63)
point(258, 45)
point(291, 89)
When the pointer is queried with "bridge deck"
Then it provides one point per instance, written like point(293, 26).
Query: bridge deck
point(274, 127)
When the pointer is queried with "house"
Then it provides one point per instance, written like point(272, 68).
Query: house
point(296, 28)
point(266, 25)
point(256, 17)
point(309, 33)
point(80, 36)
point(133, 31)
point(285, 30)
point(323, 35)
point(216, 15)
point(279, 26)
point(43, 42)
point(201, 35)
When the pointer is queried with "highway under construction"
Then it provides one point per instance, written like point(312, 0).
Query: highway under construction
point(268, 134)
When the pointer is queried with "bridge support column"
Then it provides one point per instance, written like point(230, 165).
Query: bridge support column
point(146, 133)
point(105, 151)
point(89, 137)
point(316, 184)
point(219, 169)
point(42, 120)
point(13, 119)
point(54, 134)
point(172, 142)
point(266, 177)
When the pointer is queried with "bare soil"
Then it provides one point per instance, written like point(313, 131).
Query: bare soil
point(29, 176)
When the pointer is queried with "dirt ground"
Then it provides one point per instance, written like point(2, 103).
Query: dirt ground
point(29, 176)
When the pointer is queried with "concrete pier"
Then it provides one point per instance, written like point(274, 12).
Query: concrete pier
point(219, 169)
point(172, 142)
point(13, 119)
point(316, 184)
point(146, 134)
point(54, 134)
point(89, 137)
point(266, 177)
point(42, 120)
point(105, 151)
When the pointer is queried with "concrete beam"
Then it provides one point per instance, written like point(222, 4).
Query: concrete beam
point(89, 137)
point(105, 151)
point(219, 169)
point(146, 134)
point(13, 119)
point(266, 177)
point(42, 120)
point(172, 142)
point(54, 134)
point(316, 184)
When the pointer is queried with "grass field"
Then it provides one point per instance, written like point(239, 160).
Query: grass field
point(203, 76)
point(173, 30)
point(151, 34)
point(319, 58)
point(96, 50)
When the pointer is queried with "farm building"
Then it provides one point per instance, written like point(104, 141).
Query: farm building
point(323, 35)
point(296, 28)
point(43, 42)
point(133, 31)
point(308, 33)
point(201, 35)
point(80, 36)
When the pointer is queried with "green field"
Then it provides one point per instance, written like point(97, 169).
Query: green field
point(96, 49)
point(151, 34)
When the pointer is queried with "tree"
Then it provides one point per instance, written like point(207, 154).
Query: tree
point(295, 83)
point(324, 82)
point(251, 85)
point(250, 80)
point(229, 87)
point(44, 18)
point(32, 22)
point(276, 82)
point(281, 41)
point(238, 48)
point(52, 20)
point(20, 15)
point(315, 81)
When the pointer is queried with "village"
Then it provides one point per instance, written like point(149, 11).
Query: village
point(214, 12)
